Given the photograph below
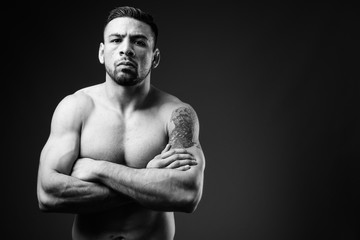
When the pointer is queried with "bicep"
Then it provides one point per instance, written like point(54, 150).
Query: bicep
point(56, 161)
point(62, 148)
point(60, 153)
point(183, 130)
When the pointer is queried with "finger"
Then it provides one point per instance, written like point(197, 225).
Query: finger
point(175, 157)
point(173, 151)
point(167, 148)
point(180, 163)
point(183, 168)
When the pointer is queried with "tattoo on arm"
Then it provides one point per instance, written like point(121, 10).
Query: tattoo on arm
point(182, 135)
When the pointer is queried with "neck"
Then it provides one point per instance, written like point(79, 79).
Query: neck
point(127, 98)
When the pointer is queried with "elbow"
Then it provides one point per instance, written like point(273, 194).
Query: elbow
point(190, 201)
point(46, 202)
point(189, 197)
point(43, 206)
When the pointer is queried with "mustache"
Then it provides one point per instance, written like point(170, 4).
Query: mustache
point(126, 62)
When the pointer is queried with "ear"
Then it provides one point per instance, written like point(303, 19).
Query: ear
point(101, 53)
point(156, 59)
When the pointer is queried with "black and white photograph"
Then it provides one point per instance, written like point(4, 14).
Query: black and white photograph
point(181, 120)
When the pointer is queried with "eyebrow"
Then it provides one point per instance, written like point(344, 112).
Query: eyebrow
point(137, 36)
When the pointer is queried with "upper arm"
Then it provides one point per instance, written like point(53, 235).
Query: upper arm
point(184, 128)
point(183, 131)
point(62, 147)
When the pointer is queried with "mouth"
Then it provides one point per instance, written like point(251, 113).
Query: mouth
point(127, 63)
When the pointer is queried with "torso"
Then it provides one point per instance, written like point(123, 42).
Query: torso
point(132, 141)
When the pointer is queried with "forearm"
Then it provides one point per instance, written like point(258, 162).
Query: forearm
point(62, 193)
point(157, 189)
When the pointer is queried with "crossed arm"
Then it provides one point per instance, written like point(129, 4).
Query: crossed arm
point(170, 182)
point(163, 189)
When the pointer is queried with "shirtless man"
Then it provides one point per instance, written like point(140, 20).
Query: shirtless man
point(123, 155)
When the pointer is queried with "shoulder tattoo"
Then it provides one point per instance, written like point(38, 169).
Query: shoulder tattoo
point(184, 120)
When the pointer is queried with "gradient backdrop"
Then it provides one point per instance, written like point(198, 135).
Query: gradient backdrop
point(275, 88)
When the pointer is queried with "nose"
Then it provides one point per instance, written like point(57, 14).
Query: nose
point(126, 49)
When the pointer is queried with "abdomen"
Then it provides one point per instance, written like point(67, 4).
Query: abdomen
point(129, 222)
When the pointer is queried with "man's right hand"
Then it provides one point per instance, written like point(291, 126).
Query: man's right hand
point(177, 158)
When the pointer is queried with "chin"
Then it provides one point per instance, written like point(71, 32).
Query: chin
point(128, 82)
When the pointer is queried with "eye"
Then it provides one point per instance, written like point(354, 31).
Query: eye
point(140, 43)
point(115, 40)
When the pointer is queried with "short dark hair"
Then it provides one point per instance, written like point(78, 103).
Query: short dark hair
point(137, 14)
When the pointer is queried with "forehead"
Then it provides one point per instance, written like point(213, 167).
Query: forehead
point(126, 25)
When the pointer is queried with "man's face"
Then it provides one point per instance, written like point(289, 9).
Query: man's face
point(127, 51)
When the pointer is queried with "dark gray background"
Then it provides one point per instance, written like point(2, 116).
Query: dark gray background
point(275, 88)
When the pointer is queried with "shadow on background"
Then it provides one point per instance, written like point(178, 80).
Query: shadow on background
point(276, 92)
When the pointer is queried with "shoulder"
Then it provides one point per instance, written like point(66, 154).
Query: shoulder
point(73, 109)
point(80, 101)
point(76, 103)
point(171, 106)
point(177, 114)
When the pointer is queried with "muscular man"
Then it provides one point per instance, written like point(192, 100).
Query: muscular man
point(123, 155)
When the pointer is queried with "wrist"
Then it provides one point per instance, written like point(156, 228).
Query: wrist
point(100, 170)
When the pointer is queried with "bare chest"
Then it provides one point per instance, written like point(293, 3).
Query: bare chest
point(132, 142)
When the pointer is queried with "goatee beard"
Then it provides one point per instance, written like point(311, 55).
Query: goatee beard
point(127, 78)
